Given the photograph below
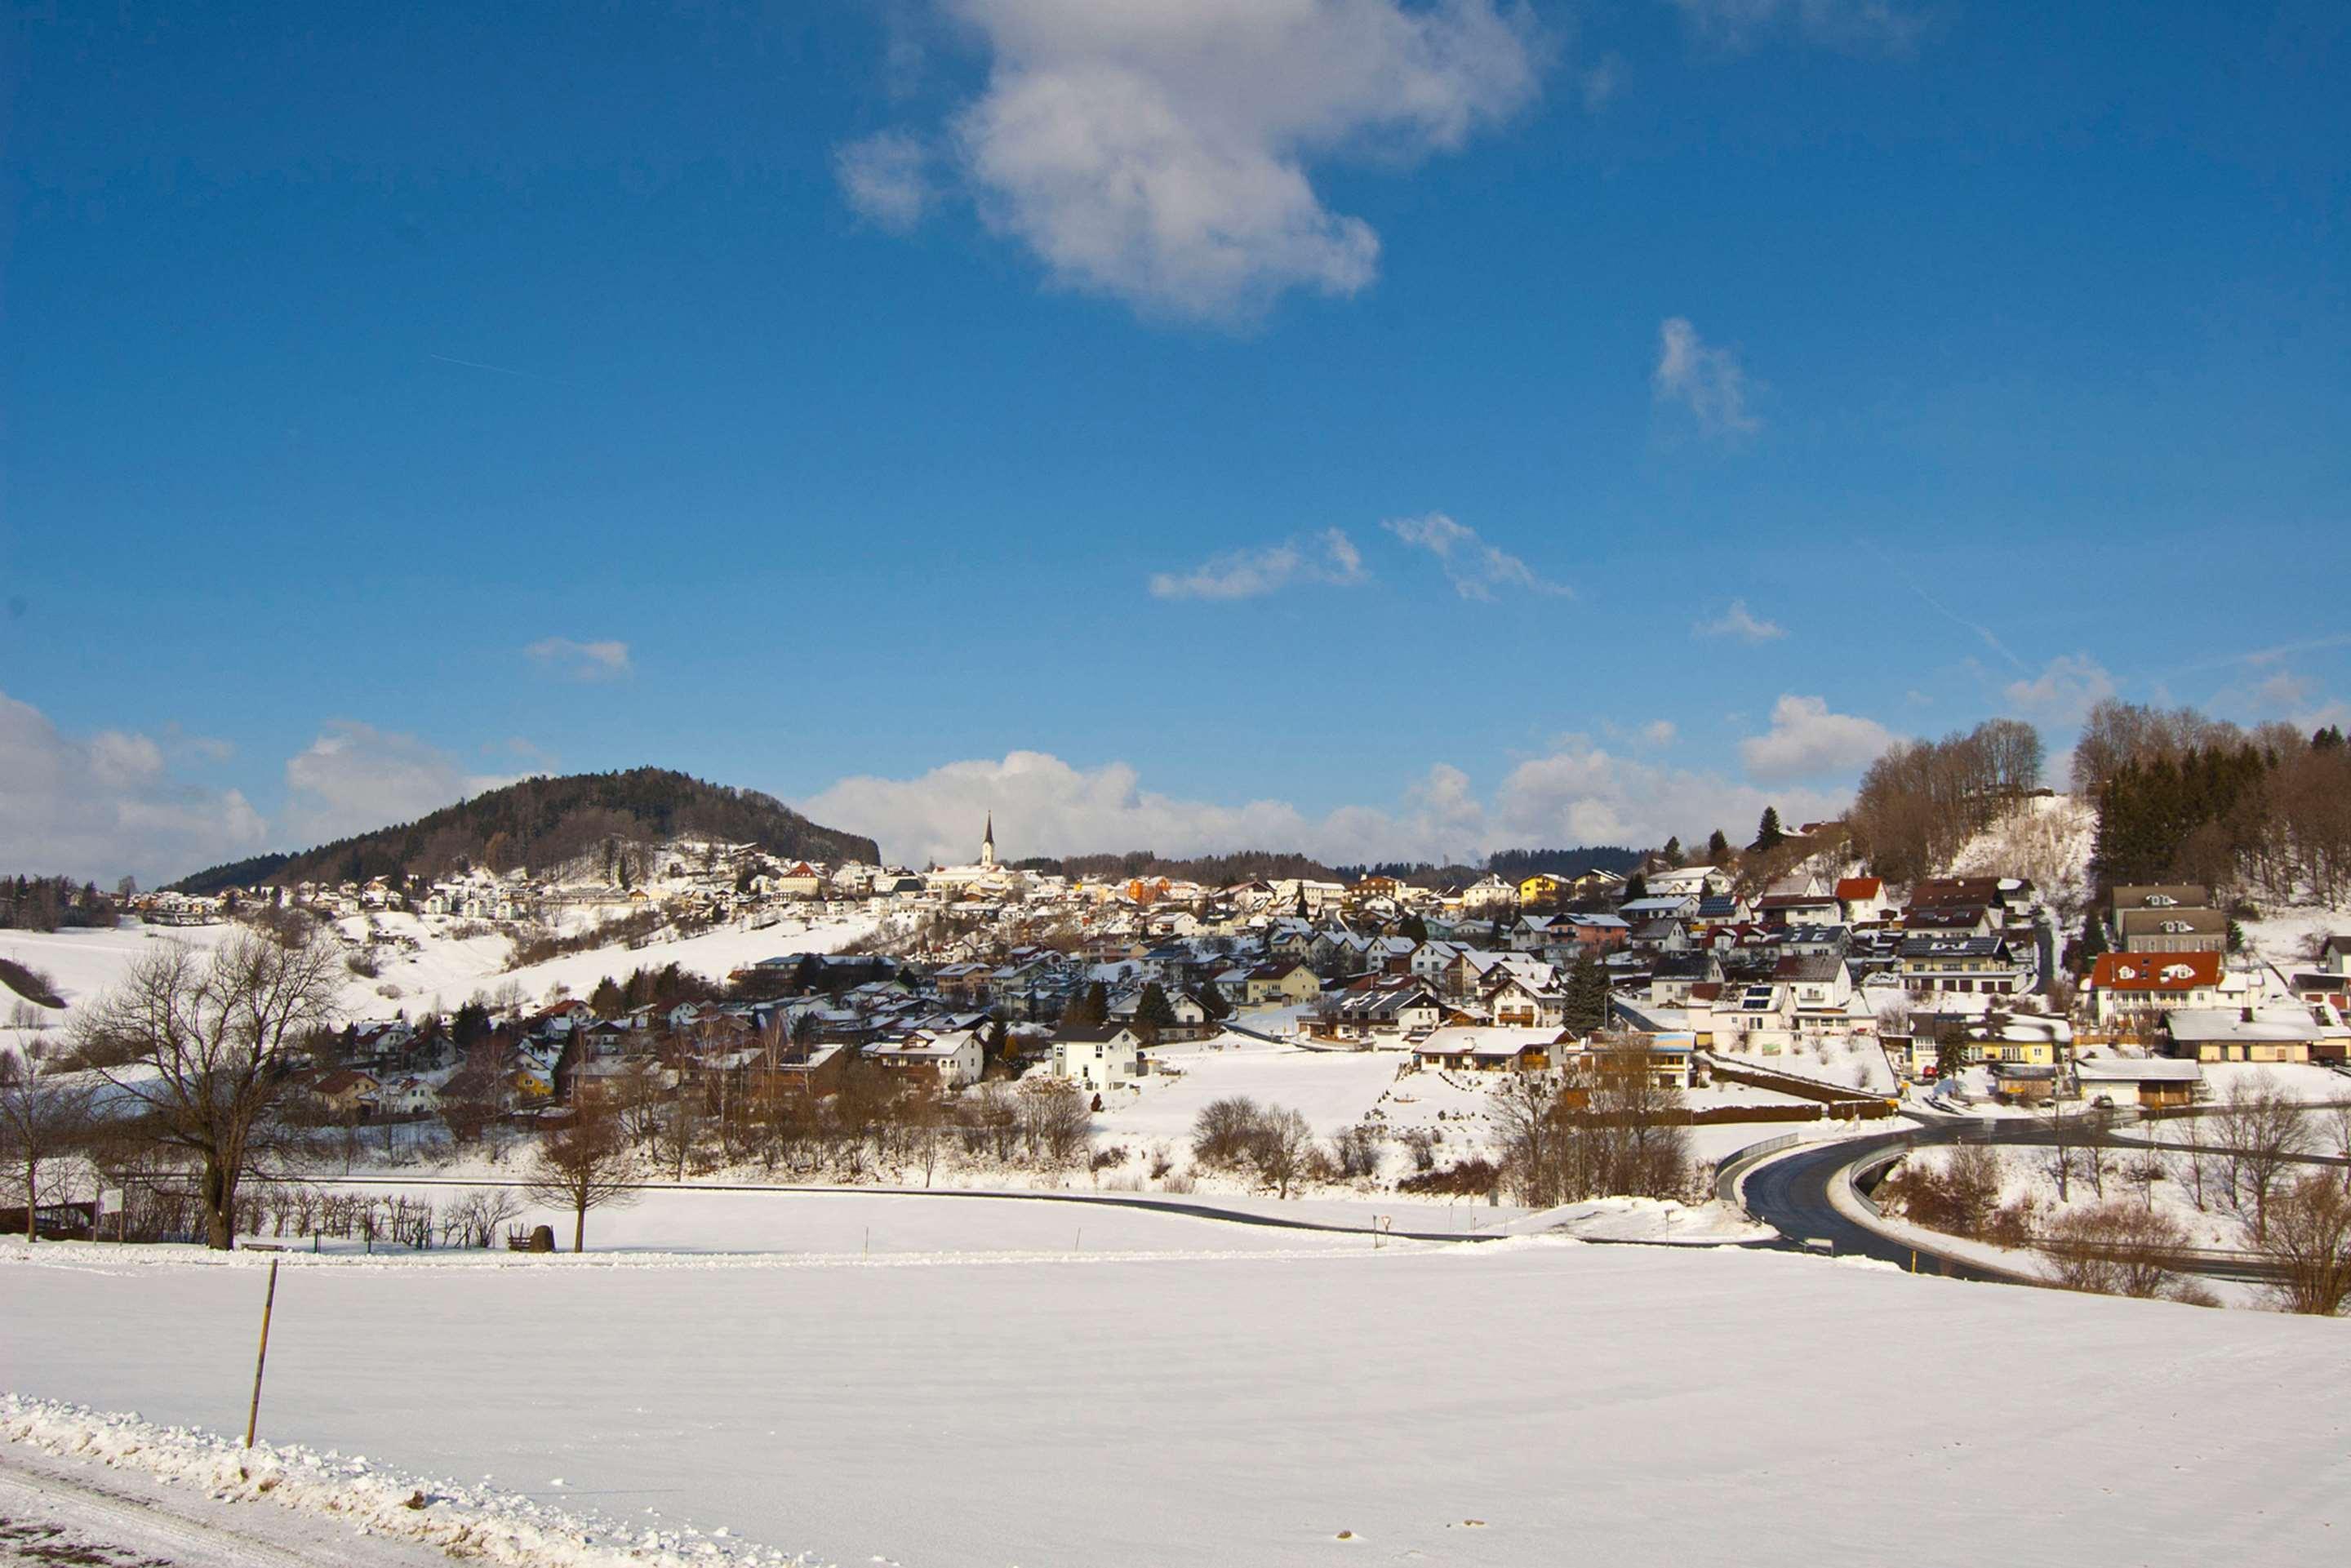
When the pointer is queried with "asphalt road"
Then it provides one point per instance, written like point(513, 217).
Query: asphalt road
point(1791, 1194)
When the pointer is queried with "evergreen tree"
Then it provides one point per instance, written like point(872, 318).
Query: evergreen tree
point(607, 1001)
point(1636, 886)
point(1154, 1012)
point(1586, 1010)
point(1768, 833)
point(1673, 854)
point(1413, 928)
point(470, 1026)
point(1717, 848)
point(993, 1048)
point(2092, 943)
point(1214, 1002)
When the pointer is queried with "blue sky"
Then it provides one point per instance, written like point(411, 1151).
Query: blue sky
point(1385, 427)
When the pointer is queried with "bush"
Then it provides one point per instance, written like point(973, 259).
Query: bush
point(2116, 1250)
point(1468, 1179)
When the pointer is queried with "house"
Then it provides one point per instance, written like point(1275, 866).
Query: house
point(1781, 910)
point(2160, 1080)
point(410, 1096)
point(1487, 1048)
point(1542, 889)
point(2173, 931)
point(2242, 1034)
point(799, 880)
point(1098, 1056)
point(2156, 896)
point(1819, 986)
point(1968, 965)
point(1639, 912)
point(1282, 983)
point(1697, 881)
point(1861, 899)
point(956, 1056)
point(2129, 988)
point(1487, 894)
point(1675, 975)
point(348, 1091)
point(1517, 1003)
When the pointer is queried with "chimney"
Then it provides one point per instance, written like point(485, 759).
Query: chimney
point(2248, 1012)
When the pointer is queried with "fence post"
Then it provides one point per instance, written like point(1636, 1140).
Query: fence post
point(261, 1356)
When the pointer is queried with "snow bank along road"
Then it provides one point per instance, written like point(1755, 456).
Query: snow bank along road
point(1526, 1402)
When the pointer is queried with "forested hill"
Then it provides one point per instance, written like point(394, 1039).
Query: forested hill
point(544, 822)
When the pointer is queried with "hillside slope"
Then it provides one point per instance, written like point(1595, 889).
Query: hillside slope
point(544, 822)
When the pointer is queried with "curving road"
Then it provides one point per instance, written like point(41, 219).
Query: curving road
point(1791, 1194)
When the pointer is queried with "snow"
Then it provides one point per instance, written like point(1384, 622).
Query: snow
point(451, 969)
point(2046, 840)
point(443, 971)
point(1648, 1404)
point(464, 1522)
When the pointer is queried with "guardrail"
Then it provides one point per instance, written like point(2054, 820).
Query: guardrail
point(1728, 1175)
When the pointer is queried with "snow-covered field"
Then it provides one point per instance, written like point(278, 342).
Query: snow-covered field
point(1524, 1402)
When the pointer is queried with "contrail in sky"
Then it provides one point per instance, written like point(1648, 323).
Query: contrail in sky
point(495, 370)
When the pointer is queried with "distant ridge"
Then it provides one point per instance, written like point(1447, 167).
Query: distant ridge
point(544, 822)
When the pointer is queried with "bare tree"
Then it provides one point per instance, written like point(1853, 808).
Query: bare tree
point(207, 1042)
point(44, 1115)
point(2117, 1250)
point(477, 1217)
point(1281, 1148)
point(2261, 1130)
point(587, 1164)
point(2310, 1239)
point(1055, 1121)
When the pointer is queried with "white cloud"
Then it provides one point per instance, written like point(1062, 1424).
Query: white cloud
point(1582, 794)
point(1159, 152)
point(1740, 622)
point(581, 660)
point(1856, 24)
point(1707, 382)
point(885, 178)
point(1807, 741)
point(2065, 691)
point(1475, 568)
point(1330, 558)
point(355, 777)
point(1659, 732)
point(110, 805)
point(1578, 793)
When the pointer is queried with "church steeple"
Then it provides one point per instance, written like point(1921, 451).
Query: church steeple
point(987, 842)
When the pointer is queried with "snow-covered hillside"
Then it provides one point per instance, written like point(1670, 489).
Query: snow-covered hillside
point(2046, 840)
point(423, 963)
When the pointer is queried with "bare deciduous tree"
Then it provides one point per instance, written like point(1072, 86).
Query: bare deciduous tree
point(587, 1164)
point(1281, 1148)
point(207, 1042)
point(44, 1115)
point(2116, 1249)
point(2260, 1130)
point(2310, 1239)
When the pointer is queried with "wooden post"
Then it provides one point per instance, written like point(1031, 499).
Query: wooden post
point(261, 1356)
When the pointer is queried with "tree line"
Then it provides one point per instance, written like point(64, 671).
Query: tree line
point(2265, 814)
point(1920, 801)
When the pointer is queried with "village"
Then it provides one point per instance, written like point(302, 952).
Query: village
point(1825, 994)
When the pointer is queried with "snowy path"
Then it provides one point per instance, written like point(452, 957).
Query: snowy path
point(57, 1512)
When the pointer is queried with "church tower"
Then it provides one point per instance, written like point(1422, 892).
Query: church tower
point(987, 842)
